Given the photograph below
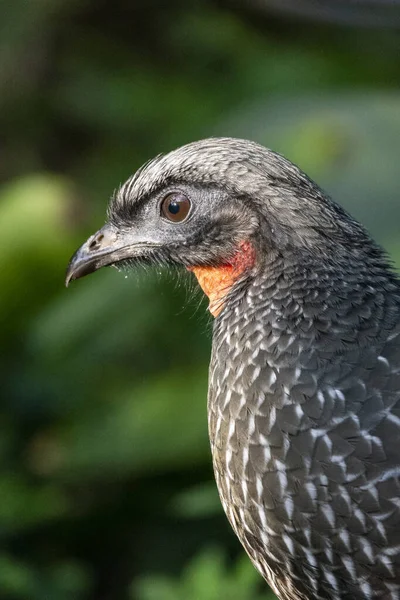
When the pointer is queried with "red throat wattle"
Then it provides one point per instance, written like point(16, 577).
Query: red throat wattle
point(217, 281)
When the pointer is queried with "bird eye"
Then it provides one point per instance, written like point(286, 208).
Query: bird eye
point(175, 207)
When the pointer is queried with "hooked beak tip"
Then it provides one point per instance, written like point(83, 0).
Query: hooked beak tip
point(98, 251)
point(76, 270)
point(79, 266)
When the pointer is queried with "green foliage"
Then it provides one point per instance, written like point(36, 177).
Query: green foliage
point(205, 578)
point(105, 478)
point(19, 581)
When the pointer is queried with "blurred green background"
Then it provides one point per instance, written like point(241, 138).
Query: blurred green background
point(106, 486)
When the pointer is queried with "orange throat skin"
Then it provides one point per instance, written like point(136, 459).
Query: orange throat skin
point(216, 282)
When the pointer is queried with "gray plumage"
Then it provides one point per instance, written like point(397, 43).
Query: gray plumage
point(304, 384)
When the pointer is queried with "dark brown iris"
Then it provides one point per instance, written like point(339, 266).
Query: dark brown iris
point(175, 207)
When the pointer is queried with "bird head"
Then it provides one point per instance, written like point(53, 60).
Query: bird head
point(217, 207)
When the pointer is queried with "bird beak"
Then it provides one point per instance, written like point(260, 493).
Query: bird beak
point(106, 247)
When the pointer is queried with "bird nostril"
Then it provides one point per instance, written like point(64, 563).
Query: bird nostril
point(94, 244)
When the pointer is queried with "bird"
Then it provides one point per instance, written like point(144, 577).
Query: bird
point(304, 379)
